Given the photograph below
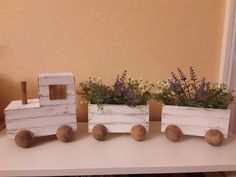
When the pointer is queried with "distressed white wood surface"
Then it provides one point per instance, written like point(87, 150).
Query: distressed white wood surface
point(59, 74)
point(22, 124)
point(17, 104)
point(45, 101)
point(44, 80)
point(55, 79)
point(40, 111)
point(118, 118)
point(195, 121)
point(40, 120)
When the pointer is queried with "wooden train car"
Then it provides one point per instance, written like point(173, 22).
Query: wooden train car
point(118, 119)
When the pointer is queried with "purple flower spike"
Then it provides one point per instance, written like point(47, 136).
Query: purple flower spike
point(200, 93)
point(192, 74)
point(174, 77)
point(181, 74)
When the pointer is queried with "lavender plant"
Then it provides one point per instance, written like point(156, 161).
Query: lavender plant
point(178, 90)
point(125, 90)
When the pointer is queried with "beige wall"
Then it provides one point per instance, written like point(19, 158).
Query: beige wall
point(149, 38)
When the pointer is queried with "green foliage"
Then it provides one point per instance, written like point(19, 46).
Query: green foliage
point(125, 90)
point(178, 90)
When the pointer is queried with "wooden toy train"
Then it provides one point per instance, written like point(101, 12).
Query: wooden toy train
point(54, 112)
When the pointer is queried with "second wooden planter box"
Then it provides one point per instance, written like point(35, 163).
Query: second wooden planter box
point(118, 118)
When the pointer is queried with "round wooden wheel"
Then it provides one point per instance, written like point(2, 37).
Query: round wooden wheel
point(99, 132)
point(24, 138)
point(65, 133)
point(173, 133)
point(214, 137)
point(138, 132)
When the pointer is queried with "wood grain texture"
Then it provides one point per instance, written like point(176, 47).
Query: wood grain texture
point(56, 79)
point(45, 101)
point(57, 92)
point(28, 122)
point(24, 92)
point(51, 80)
point(40, 111)
point(40, 120)
point(195, 121)
point(118, 118)
point(17, 105)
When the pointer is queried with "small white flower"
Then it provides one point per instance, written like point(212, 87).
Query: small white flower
point(99, 78)
point(167, 84)
point(142, 90)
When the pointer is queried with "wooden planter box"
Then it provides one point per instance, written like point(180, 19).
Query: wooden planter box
point(195, 121)
point(118, 118)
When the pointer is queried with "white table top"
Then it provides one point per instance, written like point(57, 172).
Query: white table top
point(119, 154)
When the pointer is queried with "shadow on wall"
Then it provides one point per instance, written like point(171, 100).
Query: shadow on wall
point(10, 90)
point(7, 84)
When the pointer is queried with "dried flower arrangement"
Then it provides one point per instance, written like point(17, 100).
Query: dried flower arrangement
point(180, 91)
point(124, 91)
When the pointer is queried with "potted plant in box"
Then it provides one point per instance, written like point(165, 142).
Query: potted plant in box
point(120, 108)
point(194, 107)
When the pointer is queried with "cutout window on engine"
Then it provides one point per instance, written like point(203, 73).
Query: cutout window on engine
point(57, 92)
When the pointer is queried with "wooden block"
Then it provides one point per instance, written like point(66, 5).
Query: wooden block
point(56, 79)
point(56, 88)
point(17, 105)
point(40, 120)
point(45, 101)
point(195, 121)
point(118, 118)
point(24, 92)
point(68, 109)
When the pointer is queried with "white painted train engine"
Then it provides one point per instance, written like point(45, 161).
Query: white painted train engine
point(53, 113)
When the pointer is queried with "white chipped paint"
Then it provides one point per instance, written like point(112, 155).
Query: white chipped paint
point(118, 118)
point(44, 116)
point(40, 112)
point(195, 121)
point(56, 80)
point(45, 101)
